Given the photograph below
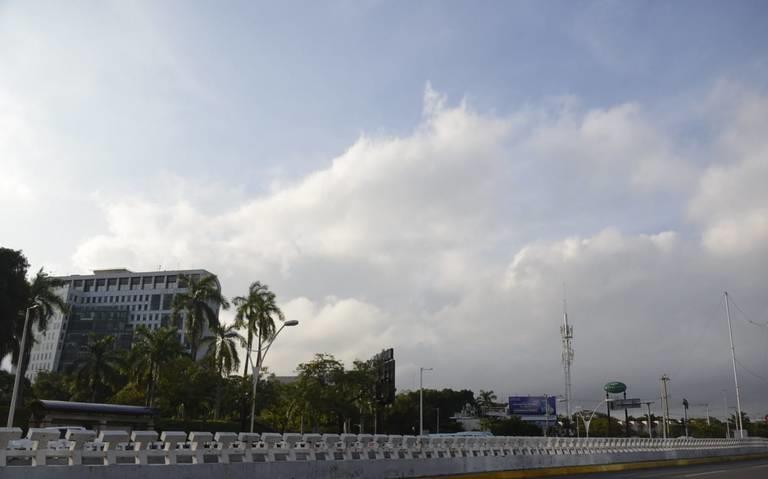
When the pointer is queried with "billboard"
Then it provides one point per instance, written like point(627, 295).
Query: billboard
point(384, 362)
point(532, 405)
point(633, 403)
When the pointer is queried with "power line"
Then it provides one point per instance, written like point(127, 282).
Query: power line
point(751, 372)
point(746, 316)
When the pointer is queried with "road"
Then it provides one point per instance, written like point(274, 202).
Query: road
point(735, 470)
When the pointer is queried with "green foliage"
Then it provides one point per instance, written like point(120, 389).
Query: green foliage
point(513, 426)
point(197, 304)
point(152, 350)
point(52, 385)
point(99, 370)
point(188, 389)
point(402, 417)
point(6, 388)
point(14, 294)
point(256, 312)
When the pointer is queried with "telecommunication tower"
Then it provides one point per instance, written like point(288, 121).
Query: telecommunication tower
point(566, 332)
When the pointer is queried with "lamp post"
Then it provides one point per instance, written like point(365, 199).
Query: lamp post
point(261, 354)
point(650, 424)
point(587, 422)
point(421, 399)
point(19, 367)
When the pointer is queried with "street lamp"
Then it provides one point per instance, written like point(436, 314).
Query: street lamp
point(19, 367)
point(587, 422)
point(260, 355)
point(421, 399)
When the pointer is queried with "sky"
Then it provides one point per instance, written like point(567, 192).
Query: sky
point(428, 176)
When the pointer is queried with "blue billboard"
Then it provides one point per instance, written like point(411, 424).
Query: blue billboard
point(532, 405)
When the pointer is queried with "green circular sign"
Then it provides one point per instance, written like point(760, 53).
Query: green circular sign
point(615, 387)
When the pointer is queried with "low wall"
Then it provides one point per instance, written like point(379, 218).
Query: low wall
point(314, 456)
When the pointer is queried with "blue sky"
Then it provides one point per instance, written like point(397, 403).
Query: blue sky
point(392, 169)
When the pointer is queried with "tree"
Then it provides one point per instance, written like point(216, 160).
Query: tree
point(223, 348)
point(486, 400)
point(187, 388)
point(513, 426)
point(52, 385)
point(43, 293)
point(152, 350)
point(199, 304)
point(256, 312)
point(14, 292)
point(320, 385)
point(99, 368)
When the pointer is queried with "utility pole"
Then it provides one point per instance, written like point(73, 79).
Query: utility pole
point(727, 422)
point(626, 418)
point(650, 423)
point(735, 376)
point(665, 404)
point(421, 399)
point(685, 412)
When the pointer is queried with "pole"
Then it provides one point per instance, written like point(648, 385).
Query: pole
point(546, 414)
point(437, 422)
point(19, 368)
point(727, 423)
point(665, 403)
point(421, 399)
point(576, 417)
point(608, 407)
point(256, 370)
point(650, 423)
point(626, 418)
point(735, 376)
point(708, 423)
point(260, 355)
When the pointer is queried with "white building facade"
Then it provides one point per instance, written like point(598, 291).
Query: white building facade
point(109, 302)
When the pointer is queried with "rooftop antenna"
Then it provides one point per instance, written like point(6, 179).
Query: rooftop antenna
point(566, 332)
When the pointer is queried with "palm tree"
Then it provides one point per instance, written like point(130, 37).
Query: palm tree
point(199, 304)
point(256, 312)
point(485, 400)
point(100, 367)
point(223, 348)
point(153, 349)
point(43, 294)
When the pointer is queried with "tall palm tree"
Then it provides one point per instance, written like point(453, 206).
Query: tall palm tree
point(43, 292)
point(100, 367)
point(485, 400)
point(222, 345)
point(199, 305)
point(153, 349)
point(257, 312)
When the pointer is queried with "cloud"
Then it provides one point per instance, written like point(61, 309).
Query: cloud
point(452, 243)
point(731, 201)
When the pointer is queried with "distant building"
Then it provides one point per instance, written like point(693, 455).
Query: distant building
point(108, 302)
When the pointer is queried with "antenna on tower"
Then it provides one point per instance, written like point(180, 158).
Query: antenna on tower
point(566, 332)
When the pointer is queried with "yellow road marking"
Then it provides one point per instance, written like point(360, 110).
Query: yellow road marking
point(561, 471)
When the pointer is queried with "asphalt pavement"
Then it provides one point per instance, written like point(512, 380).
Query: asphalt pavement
point(732, 470)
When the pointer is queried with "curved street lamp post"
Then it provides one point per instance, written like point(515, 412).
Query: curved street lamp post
point(587, 422)
point(257, 368)
point(16, 380)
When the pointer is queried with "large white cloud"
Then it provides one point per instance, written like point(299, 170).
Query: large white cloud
point(732, 198)
point(452, 243)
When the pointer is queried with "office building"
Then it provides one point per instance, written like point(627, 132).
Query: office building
point(109, 302)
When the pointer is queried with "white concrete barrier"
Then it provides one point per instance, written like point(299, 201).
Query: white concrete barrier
point(313, 456)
